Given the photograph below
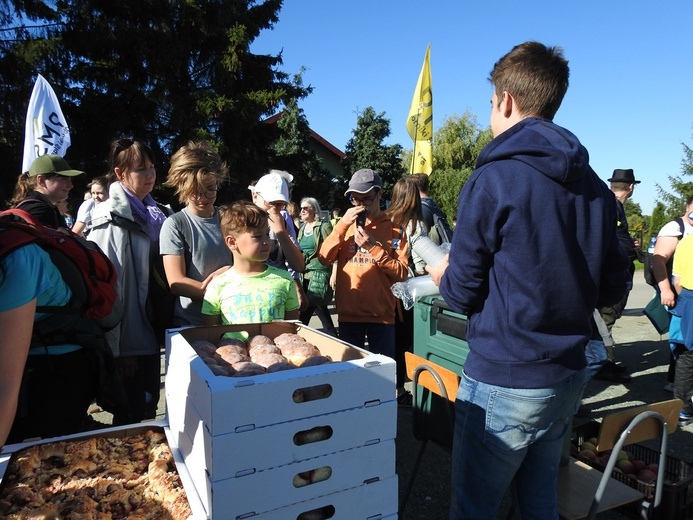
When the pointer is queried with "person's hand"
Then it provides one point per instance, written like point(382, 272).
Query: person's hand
point(437, 271)
point(668, 298)
point(303, 302)
point(350, 216)
point(127, 366)
point(363, 238)
point(333, 281)
point(276, 220)
point(216, 273)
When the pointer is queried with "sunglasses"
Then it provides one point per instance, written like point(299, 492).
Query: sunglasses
point(306, 208)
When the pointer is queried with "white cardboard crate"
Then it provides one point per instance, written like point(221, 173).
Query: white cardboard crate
point(236, 404)
point(372, 501)
point(198, 511)
point(237, 454)
point(271, 489)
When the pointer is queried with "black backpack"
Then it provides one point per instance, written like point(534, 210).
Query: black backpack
point(440, 231)
point(648, 271)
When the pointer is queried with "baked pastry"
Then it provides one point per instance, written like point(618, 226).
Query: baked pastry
point(259, 350)
point(203, 347)
point(247, 368)
point(288, 337)
point(231, 341)
point(297, 352)
point(268, 359)
point(259, 339)
point(232, 354)
point(279, 367)
point(100, 478)
point(316, 360)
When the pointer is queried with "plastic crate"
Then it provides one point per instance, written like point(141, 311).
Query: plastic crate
point(677, 492)
point(440, 336)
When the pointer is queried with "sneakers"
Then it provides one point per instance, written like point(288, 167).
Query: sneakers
point(404, 399)
point(685, 419)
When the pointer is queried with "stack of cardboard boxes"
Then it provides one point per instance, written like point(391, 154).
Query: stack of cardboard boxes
point(312, 442)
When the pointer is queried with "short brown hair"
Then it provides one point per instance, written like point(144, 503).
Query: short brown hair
point(536, 76)
point(240, 217)
point(421, 181)
point(192, 167)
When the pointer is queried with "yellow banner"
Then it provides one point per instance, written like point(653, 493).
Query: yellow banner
point(420, 120)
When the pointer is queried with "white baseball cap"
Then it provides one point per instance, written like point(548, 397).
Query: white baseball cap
point(272, 187)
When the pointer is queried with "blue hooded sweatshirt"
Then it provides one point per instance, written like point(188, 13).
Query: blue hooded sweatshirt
point(534, 252)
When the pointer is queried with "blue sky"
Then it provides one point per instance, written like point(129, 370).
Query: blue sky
point(630, 64)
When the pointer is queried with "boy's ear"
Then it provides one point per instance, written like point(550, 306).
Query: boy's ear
point(230, 242)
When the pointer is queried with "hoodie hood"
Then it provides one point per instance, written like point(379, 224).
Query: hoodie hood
point(542, 145)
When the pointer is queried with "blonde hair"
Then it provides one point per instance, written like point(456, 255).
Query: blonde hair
point(192, 167)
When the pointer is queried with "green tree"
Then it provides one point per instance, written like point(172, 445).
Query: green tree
point(293, 153)
point(166, 71)
point(366, 149)
point(674, 202)
point(657, 220)
point(456, 146)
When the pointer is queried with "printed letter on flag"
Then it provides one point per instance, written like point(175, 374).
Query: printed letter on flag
point(46, 130)
point(420, 120)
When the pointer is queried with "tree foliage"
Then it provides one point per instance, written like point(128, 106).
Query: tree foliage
point(456, 146)
point(366, 149)
point(166, 71)
point(674, 202)
point(293, 153)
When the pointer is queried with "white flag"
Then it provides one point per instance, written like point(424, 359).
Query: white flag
point(46, 129)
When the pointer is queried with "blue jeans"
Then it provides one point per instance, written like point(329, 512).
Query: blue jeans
point(506, 435)
point(595, 353)
point(381, 337)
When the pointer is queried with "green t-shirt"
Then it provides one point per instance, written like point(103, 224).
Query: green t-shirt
point(259, 298)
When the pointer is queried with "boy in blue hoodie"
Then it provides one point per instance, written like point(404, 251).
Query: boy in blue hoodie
point(534, 253)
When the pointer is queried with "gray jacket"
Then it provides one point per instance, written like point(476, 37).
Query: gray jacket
point(128, 247)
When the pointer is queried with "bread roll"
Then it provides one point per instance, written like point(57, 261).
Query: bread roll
point(279, 367)
point(232, 354)
point(259, 350)
point(287, 338)
point(269, 359)
point(202, 346)
point(316, 360)
point(259, 339)
point(247, 368)
point(231, 341)
point(297, 353)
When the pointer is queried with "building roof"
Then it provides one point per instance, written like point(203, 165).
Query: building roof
point(316, 137)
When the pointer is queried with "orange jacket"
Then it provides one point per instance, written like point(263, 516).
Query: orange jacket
point(364, 278)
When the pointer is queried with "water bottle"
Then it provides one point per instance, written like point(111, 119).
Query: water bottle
point(651, 247)
point(413, 289)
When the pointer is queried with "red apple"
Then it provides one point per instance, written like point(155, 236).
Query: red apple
point(647, 476)
point(626, 466)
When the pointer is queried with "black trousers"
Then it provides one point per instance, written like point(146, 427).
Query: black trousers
point(683, 381)
point(55, 396)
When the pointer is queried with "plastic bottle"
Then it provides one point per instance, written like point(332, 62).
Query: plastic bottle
point(413, 289)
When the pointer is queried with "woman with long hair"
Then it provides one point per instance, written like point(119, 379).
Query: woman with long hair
point(98, 192)
point(405, 212)
point(311, 235)
point(127, 227)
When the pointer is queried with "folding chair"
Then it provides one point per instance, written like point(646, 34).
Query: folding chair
point(442, 382)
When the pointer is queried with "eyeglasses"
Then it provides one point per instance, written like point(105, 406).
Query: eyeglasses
point(209, 194)
point(365, 201)
point(306, 208)
point(278, 204)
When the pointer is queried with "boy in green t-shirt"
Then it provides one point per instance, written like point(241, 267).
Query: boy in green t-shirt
point(250, 291)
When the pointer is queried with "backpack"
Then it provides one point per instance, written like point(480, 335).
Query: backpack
point(94, 307)
point(441, 231)
point(648, 270)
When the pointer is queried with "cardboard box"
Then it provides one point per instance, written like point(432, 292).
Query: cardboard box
point(264, 491)
point(234, 404)
point(244, 452)
point(198, 511)
point(373, 500)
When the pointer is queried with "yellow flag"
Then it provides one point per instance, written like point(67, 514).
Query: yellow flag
point(420, 120)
